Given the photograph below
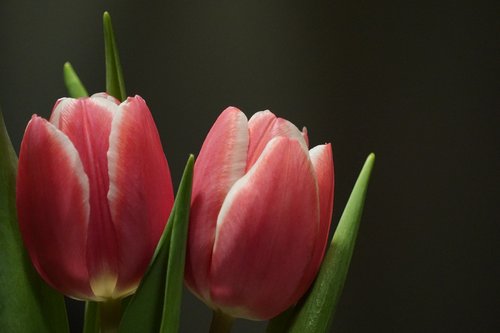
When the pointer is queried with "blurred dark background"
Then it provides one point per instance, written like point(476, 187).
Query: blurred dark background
point(416, 82)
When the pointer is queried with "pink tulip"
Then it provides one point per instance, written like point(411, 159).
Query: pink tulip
point(260, 215)
point(93, 195)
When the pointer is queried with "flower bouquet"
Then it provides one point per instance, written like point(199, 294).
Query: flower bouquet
point(88, 211)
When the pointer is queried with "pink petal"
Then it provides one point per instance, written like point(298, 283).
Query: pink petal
point(220, 164)
point(87, 123)
point(65, 106)
point(322, 161)
point(107, 97)
point(53, 207)
point(266, 234)
point(140, 191)
point(263, 126)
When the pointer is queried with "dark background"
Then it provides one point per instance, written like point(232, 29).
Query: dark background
point(416, 82)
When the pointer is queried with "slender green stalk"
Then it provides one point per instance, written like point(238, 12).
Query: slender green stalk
point(221, 322)
point(110, 316)
point(91, 320)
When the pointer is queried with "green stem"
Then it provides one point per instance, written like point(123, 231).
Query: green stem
point(91, 321)
point(111, 313)
point(221, 322)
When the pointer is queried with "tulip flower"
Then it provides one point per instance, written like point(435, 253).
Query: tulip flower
point(260, 215)
point(93, 195)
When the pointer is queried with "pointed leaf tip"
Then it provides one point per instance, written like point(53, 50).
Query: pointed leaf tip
point(74, 85)
point(177, 254)
point(115, 84)
point(370, 159)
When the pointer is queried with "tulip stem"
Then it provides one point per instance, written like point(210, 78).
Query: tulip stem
point(221, 322)
point(111, 313)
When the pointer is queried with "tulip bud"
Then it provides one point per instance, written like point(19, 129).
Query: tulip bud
point(93, 195)
point(260, 215)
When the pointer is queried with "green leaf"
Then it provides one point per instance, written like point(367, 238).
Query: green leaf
point(91, 322)
point(27, 304)
point(315, 314)
point(115, 84)
point(176, 258)
point(75, 87)
point(160, 290)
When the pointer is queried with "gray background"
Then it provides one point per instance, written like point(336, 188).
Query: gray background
point(414, 81)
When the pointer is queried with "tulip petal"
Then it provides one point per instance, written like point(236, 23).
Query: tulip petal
point(64, 107)
point(53, 207)
point(220, 164)
point(87, 123)
point(140, 191)
point(106, 96)
point(266, 234)
point(263, 126)
point(322, 161)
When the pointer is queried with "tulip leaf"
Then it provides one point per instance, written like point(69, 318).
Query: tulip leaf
point(91, 322)
point(115, 84)
point(315, 312)
point(176, 257)
point(156, 304)
point(75, 87)
point(27, 304)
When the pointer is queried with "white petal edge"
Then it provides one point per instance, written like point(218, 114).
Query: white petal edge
point(291, 131)
point(65, 103)
point(242, 182)
point(75, 161)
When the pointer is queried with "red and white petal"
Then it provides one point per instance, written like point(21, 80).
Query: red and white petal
point(65, 106)
point(87, 123)
point(53, 207)
point(266, 234)
point(219, 165)
point(264, 126)
point(62, 105)
point(107, 97)
point(322, 161)
point(140, 190)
